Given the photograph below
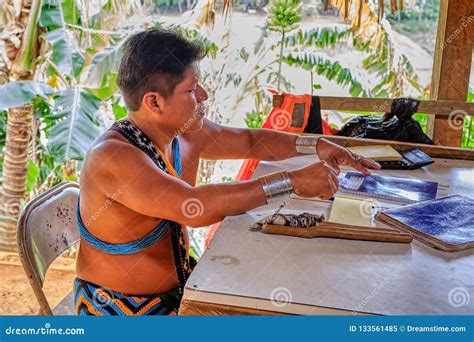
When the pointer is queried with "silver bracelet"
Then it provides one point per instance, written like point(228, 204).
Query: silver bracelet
point(306, 144)
point(277, 186)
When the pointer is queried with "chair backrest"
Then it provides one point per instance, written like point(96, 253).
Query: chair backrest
point(46, 228)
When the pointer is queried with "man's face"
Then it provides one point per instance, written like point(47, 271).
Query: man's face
point(185, 110)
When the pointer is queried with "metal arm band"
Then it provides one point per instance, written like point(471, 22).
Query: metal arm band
point(306, 144)
point(276, 186)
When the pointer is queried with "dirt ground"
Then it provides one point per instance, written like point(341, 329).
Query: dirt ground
point(16, 295)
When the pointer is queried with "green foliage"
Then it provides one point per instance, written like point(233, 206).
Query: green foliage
point(18, 93)
point(329, 69)
point(32, 174)
point(75, 124)
point(209, 46)
point(257, 117)
point(393, 81)
point(119, 111)
point(103, 70)
point(412, 21)
point(284, 15)
point(468, 127)
point(325, 37)
point(65, 54)
point(254, 119)
point(55, 14)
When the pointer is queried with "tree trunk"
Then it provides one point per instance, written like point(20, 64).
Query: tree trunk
point(19, 128)
point(19, 123)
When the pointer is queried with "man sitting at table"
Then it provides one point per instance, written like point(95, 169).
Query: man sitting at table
point(137, 184)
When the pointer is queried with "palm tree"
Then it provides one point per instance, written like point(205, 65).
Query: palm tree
point(20, 119)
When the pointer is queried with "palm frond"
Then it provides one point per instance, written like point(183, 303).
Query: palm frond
point(345, 5)
point(75, 124)
point(331, 70)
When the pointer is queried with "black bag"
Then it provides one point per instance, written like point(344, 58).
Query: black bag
point(397, 125)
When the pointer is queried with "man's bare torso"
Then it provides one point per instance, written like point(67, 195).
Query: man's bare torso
point(149, 271)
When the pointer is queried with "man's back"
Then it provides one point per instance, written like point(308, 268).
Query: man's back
point(149, 271)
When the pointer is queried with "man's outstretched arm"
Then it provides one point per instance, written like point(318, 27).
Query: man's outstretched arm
point(221, 142)
point(147, 190)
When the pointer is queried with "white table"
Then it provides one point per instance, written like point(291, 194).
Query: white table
point(242, 271)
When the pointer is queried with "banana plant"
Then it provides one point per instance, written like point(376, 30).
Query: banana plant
point(283, 17)
point(47, 98)
point(21, 44)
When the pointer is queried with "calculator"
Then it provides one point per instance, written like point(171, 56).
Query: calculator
point(412, 159)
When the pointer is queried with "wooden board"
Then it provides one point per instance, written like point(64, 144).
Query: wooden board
point(434, 151)
point(363, 104)
point(246, 270)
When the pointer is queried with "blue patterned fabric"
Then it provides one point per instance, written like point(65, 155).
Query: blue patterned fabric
point(93, 300)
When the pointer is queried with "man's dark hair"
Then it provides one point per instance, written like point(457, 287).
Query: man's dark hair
point(155, 60)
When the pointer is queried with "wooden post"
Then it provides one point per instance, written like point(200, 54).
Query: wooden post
point(451, 67)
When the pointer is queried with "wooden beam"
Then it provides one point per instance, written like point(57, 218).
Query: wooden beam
point(442, 108)
point(197, 308)
point(434, 151)
point(451, 67)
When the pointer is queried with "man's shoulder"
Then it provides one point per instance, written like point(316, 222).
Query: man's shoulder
point(111, 147)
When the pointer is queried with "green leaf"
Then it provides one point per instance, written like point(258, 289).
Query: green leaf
point(470, 97)
point(32, 174)
point(193, 253)
point(107, 91)
point(18, 93)
point(71, 11)
point(76, 124)
point(65, 53)
point(103, 64)
point(327, 68)
point(119, 111)
point(317, 37)
point(50, 17)
point(51, 14)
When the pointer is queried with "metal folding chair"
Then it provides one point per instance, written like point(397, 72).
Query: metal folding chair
point(46, 228)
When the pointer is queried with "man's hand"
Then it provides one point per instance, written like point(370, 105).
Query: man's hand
point(315, 180)
point(336, 155)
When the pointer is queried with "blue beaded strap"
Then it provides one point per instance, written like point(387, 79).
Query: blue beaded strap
point(131, 247)
point(140, 140)
point(176, 156)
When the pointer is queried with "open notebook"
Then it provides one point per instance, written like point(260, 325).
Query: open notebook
point(398, 189)
point(445, 223)
point(377, 152)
